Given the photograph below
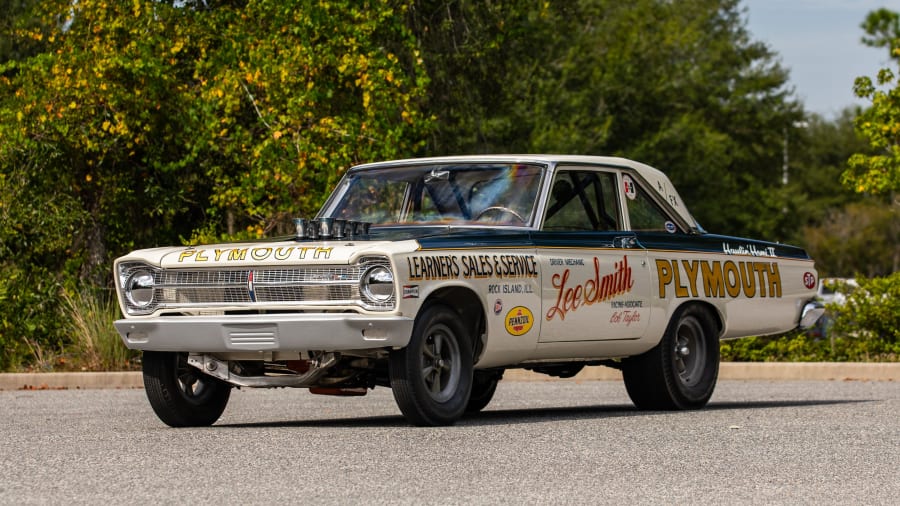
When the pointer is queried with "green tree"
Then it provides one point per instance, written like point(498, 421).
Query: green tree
point(131, 124)
point(291, 97)
point(882, 27)
point(860, 238)
point(818, 156)
point(17, 15)
point(879, 173)
point(847, 233)
point(679, 85)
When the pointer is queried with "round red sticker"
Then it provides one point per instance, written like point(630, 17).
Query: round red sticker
point(809, 280)
point(628, 187)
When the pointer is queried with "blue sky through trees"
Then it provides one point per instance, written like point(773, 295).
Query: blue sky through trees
point(819, 42)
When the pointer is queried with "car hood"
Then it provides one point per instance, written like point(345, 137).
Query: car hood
point(383, 241)
point(288, 252)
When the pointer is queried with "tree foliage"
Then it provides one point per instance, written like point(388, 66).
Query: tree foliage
point(879, 172)
point(847, 233)
point(872, 311)
point(127, 124)
point(677, 85)
point(882, 27)
point(142, 123)
point(292, 96)
point(861, 238)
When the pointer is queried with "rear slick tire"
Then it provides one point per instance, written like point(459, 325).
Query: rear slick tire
point(681, 371)
point(180, 394)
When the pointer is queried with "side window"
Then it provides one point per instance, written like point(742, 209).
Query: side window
point(645, 215)
point(582, 200)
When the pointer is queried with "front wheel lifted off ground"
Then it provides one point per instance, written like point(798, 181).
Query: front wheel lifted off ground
point(681, 371)
point(432, 377)
point(180, 394)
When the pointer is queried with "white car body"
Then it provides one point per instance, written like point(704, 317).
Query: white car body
point(529, 288)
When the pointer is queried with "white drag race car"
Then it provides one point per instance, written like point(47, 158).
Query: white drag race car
point(434, 276)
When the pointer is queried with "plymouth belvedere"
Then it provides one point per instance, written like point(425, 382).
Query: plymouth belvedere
point(434, 276)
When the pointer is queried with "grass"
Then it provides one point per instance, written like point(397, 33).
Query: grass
point(98, 347)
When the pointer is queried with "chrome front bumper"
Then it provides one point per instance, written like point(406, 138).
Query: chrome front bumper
point(278, 332)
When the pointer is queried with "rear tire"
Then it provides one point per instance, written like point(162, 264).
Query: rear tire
point(484, 385)
point(432, 377)
point(681, 371)
point(180, 394)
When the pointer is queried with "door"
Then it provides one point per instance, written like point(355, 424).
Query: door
point(596, 281)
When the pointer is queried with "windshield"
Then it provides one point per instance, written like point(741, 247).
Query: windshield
point(455, 194)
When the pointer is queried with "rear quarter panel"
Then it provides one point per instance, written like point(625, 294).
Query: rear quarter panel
point(757, 288)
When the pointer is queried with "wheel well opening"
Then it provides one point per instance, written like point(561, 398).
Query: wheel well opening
point(467, 304)
point(709, 309)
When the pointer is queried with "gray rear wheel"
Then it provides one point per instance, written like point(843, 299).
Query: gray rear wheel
point(681, 371)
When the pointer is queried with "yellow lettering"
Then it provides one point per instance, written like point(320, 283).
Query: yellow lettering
point(664, 271)
point(747, 279)
point(201, 256)
point(732, 279)
point(260, 253)
point(185, 254)
point(712, 279)
point(761, 270)
point(774, 280)
point(283, 253)
point(323, 253)
point(720, 279)
point(237, 254)
point(691, 269)
point(680, 291)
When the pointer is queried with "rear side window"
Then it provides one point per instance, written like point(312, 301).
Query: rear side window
point(644, 213)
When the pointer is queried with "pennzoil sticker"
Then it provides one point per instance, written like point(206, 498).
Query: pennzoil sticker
point(519, 320)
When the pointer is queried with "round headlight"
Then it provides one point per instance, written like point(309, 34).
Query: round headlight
point(378, 284)
point(139, 288)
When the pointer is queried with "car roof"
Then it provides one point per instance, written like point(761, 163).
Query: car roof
point(654, 178)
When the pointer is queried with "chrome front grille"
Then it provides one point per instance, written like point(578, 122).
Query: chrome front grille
point(262, 287)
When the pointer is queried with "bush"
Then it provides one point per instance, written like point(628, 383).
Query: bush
point(865, 328)
point(45, 328)
point(89, 316)
point(801, 347)
point(30, 329)
point(872, 311)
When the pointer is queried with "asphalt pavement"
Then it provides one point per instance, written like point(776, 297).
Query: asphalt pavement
point(841, 371)
point(546, 442)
